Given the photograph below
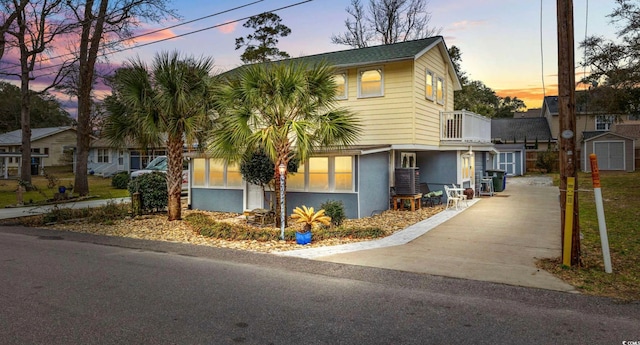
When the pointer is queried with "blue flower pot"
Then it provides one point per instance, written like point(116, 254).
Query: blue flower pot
point(303, 238)
point(62, 189)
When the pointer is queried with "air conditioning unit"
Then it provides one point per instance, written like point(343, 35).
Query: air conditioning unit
point(407, 181)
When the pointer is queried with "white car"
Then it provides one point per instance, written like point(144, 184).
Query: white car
point(160, 164)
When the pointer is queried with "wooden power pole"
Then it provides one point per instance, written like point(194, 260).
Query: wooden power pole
point(567, 116)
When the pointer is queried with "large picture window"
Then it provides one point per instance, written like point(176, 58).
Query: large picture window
point(215, 173)
point(370, 83)
point(323, 174)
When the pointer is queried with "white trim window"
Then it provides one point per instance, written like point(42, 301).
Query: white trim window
point(215, 173)
point(324, 174)
point(342, 85)
point(102, 155)
point(429, 85)
point(604, 122)
point(440, 90)
point(370, 82)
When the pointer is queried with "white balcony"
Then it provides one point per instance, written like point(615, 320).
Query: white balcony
point(462, 126)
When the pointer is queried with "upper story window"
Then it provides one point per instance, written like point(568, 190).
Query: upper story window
point(429, 85)
point(341, 85)
point(370, 83)
point(440, 90)
point(604, 122)
point(634, 117)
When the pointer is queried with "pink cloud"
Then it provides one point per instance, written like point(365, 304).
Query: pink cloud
point(466, 24)
point(228, 28)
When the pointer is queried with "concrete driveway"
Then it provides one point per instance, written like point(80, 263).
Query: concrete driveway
point(496, 239)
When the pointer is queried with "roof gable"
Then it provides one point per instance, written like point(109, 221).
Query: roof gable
point(15, 137)
point(592, 135)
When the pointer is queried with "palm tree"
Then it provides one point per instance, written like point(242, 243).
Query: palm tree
point(287, 109)
point(168, 102)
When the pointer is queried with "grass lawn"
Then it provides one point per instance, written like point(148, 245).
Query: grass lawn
point(622, 213)
point(99, 188)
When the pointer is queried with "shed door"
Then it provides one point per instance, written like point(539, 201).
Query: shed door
point(610, 154)
point(507, 162)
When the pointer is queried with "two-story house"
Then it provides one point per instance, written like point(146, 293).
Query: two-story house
point(596, 134)
point(403, 94)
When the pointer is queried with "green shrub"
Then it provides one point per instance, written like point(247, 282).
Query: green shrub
point(547, 160)
point(153, 191)
point(335, 210)
point(98, 215)
point(120, 180)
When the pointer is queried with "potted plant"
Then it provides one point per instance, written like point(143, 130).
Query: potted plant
point(308, 217)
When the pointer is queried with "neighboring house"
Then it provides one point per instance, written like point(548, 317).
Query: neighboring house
point(403, 94)
point(50, 147)
point(513, 137)
point(588, 119)
point(104, 160)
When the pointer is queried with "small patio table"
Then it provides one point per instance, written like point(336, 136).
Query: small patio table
point(414, 199)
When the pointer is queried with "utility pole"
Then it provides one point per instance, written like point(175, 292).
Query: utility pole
point(567, 116)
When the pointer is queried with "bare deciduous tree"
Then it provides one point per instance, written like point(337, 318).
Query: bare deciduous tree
point(31, 28)
point(100, 19)
point(386, 22)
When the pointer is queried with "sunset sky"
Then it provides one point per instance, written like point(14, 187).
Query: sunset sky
point(510, 45)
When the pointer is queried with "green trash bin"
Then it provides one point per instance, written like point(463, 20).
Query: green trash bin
point(498, 177)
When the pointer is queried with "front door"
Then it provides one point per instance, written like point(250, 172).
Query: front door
point(255, 197)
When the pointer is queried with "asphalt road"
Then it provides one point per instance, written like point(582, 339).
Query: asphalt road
point(70, 288)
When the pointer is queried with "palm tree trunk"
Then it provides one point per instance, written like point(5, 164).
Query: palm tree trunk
point(277, 201)
point(174, 177)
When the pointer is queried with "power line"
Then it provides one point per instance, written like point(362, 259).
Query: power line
point(177, 36)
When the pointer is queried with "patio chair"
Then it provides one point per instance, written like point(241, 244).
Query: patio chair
point(430, 198)
point(453, 198)
point(459, 191)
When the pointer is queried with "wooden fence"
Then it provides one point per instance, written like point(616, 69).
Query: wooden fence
point(532, 158)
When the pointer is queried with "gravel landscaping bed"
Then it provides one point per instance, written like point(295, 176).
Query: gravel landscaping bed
point(157, 227)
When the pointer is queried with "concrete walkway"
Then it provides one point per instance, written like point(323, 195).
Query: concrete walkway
point(496, 239)
point(15, 212)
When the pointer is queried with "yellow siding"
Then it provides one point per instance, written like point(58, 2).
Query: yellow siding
point(387, 119)
point(403, 115)
point(427, 123)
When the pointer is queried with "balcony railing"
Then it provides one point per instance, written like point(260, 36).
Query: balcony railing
point(462, 126)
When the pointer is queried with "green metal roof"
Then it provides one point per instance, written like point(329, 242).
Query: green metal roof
point(408, 50)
